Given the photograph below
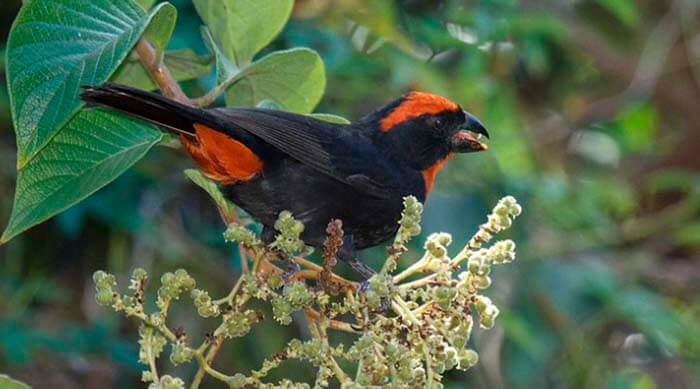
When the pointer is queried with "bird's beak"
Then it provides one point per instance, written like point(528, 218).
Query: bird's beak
point(467, 139)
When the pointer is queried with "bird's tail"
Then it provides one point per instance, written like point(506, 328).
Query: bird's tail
point(159, 110)
point(218, 154)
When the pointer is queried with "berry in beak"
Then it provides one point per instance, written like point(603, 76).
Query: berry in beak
point(467, 139)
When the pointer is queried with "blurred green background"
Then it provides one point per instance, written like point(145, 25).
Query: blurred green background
point(594, 111)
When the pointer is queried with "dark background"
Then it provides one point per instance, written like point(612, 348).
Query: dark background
point(594, 111)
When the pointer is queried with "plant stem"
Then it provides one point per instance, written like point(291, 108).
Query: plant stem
point(196, 381)
point(416, 267)
point(313, 314)
point(211, 371)
point(336, 278)
point(152, 364)
point(318, 330)
point(160, 73)
point(213, 94)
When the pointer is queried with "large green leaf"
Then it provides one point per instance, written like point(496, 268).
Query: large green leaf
point(65, 155)
point(243, 27)
point(294, 79)
point(56, 46)
point(184, 65)
point(93, 149)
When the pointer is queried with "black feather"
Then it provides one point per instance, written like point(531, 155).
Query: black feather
point(153, 108)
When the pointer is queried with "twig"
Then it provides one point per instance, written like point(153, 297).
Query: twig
point(335, 324)
point(336, 278)
point(213, 94)
point(160, 73)
point(208, 359)
point(319, 331)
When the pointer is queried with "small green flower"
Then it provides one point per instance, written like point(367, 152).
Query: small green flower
point(410, 219)
point(237, 381)
point(487, 310)
point(104, 288)
point(203, 303)
point(238, 233)
point(180, 354)
point(146, 376)
point(444, 296)
point(288, 241)
point(502, 252)
point(168, 382)
point(467, 359)
point(238, 323)
point(172, 285)
point(151, 342)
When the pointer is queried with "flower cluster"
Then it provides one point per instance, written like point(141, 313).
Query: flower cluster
point(410, 326)
point(288, 241)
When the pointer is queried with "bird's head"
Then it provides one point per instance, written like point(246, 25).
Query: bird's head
point(425, 130)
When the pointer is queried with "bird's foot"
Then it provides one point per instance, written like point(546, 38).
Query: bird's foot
point(367, 273)
point(290, 267)
point(384, 302)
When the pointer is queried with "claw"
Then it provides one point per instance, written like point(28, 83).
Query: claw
point(385, 302)
point(291, 267)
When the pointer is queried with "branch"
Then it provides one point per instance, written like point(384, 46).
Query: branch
point(160, 73)
point(213, 94)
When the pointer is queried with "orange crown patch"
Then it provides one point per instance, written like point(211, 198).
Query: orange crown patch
point(416, 104)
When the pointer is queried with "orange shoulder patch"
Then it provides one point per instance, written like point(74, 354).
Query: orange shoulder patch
point(430, 172)
point(220, 157)
point(417, 104)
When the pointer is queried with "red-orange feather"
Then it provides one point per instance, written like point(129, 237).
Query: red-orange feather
point(430, 172)
point(220, 157)
point(417, 104)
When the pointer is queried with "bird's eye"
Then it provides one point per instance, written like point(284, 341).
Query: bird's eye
point(435, 122)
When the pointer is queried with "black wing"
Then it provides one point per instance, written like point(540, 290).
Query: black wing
point(335, 150)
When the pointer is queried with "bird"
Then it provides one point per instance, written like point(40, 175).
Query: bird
point(267, 161)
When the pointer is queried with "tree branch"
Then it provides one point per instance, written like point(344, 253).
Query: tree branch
point(160, 73)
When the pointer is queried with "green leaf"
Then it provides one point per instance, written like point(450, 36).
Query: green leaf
point(49, 58)
point(639, 124)
point(243, 27)
point(267, 104)
point(631, 378)
point(625, 10)
point(8, 383)
point(688, 235)
point(330, 118)
point(146, 4)
point(62, 156)
point(161, 27)
point(93, 149)
point(294, 79)
point(224, 68)
point(226, 208)
point(184, 65)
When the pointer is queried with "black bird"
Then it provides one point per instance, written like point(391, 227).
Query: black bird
point(267, 161)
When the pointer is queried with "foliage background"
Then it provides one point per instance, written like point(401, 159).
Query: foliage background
point(593, 107)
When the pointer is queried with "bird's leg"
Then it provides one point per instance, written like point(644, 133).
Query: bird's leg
point(348, 254)
point(290, 267)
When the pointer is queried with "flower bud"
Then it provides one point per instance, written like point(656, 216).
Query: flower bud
point(444, 296)
point(180, 354)
point(168, 382)
point(467, 359)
